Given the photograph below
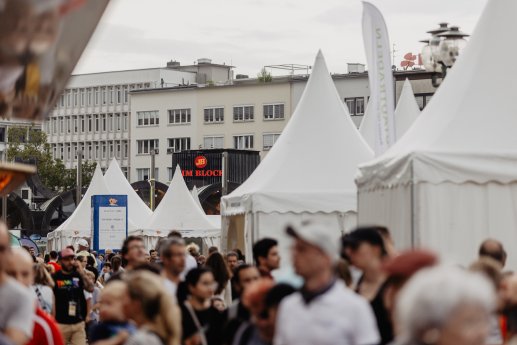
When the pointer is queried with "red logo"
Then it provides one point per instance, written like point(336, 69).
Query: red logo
point(200, 162)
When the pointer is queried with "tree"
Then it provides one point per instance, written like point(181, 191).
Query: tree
point(29, 143)
point(264, 76)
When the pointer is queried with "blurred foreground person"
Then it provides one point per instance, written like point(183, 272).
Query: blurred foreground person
point(46, 331)
point(202, 323)
point(173, 255)
point(366, 251)
point(151, 307)
point(43, 285)
point(17, 302)
point(446, 306)
point(113, 327)
point(325, 311)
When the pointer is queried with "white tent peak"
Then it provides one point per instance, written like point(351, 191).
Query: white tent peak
point(195, 195)
point(178, 210)
point(322, 132)
point(471, 118)
point(138, 212)
point(407, 109)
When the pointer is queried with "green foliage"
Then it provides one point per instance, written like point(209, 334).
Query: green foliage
point(30, 143)
point(264, 76)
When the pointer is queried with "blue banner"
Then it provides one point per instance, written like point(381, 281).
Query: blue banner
point(109, 213)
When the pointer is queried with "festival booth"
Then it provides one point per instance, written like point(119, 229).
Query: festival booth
point(79, 224)
point(308, 174)
point(138, 212)
point(451, 180)
point(179, 211)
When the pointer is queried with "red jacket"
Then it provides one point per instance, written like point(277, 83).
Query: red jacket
point(46, 330)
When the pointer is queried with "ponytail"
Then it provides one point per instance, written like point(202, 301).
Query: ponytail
point(168, 321)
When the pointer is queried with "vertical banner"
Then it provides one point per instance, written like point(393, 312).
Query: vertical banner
point(109, 221)
point(380, 75)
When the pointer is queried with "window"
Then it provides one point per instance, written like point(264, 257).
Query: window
point(243, 113)
point(76, 98)
point(355, 105)
point(75, 124)
point(125, 122)
point(90, 96)
point(2, 134)
point(110, 122)
point(96, 151)
point(82, 97)
point(68, 124)
point(269, 140)
point(97, 96)
point(118, 150)
point(89, 123)
point(117, 122)
point(214, 115)
point(61, 125)
point(97, 123)
point(213, 142)
point(103, 121)
point(170, 174)
point(147, 118)
point(126, 95)
point(111, 152)
point(104, 96)
point(90, 156)
point(54, 125)
point(179, 116)
point(103, 150)
point(119, 95)
point(145, 146)
point(274, 111)
point(69, 99)
point(82, 124)
point(243, 142)
point(143, 174)
point(111, 92)
point(68, 152)
point(423, 99)
point(178, 144)
point(62, 100)
point(124, 171)
point(126, 149)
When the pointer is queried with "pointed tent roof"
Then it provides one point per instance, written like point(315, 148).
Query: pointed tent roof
point(138, 212)
point(367, 126)
point(80, 222)
point(195, 195)
point(179, 211)
point(312, 165)
point(407, 110)
point(467, 132)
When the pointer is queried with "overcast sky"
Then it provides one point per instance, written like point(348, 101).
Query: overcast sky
point(250, 34)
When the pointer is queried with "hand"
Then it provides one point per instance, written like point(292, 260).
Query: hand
point(77, 265)
point(193, 340)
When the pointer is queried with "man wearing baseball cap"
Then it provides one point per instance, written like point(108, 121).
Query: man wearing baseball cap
point(83, 249)
point(69, 296)
point(336, 315)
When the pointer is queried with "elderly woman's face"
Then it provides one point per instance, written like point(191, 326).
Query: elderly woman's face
point(468, 325)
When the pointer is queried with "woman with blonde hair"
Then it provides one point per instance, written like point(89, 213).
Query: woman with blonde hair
point(150, 306)
point(42, 288)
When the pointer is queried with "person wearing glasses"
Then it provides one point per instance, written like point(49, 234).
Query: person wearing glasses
point(202, 324)
point(70, 283)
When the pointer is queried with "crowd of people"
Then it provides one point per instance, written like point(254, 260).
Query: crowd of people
point(357, 291)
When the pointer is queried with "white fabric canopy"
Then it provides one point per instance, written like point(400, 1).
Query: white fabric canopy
point(407, 110)
point(195, 195)
point(178, 211)
point(79, 224)
point(308, 174)
point(138, 212)
point(451, 180)
point(367, 126)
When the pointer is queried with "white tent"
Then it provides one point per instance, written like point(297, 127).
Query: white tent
point(451, 180)
point(79, 224)
point(367, 126)
point(178, 211)
point(138, 212)
point(407, 110)
point(309, 172)
point(195, 195)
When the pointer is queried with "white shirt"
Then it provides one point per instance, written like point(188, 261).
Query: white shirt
point(337, 317)
point(171, 287)
point(190, 263)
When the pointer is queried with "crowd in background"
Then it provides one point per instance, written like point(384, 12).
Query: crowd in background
point(358, 291)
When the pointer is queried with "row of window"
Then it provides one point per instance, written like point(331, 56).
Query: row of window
point(243, 142)
point(211, 115)
point(88, 123)
point(101, 95)
point(92, 150)
point(356, 105)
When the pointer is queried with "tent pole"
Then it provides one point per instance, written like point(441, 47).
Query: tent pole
point(412, 191)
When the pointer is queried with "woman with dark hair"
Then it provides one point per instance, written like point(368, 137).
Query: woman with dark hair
point(222, 276)
point(365, 249)
point(202, 323)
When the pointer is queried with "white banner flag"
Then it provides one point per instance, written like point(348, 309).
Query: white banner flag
point(382, 97)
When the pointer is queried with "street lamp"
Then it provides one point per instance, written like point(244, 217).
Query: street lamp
point(442, 49)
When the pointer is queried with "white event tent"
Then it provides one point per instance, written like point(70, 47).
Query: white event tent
point(178, 211)
point(308, 174)
point(79, 224)
point(407, 110)
point(451, 180)
point(138, 212)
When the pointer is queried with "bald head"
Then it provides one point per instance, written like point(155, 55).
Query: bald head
point(19, 266)
point(493, 249)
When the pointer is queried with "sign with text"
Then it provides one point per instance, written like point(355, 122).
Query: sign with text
point(109, 223)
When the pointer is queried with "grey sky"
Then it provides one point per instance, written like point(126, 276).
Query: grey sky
point(252, 33)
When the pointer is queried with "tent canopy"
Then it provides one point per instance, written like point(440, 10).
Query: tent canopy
point(179, 211)
point(311, 167)
point(407, 110)
point(138, 212)
point(467, 132)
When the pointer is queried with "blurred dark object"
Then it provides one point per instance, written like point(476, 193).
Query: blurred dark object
point(12, 175)
point(40, 44)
